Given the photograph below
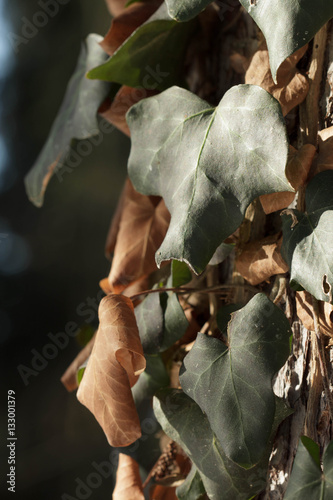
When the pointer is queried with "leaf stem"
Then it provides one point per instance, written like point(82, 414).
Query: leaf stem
point(185, 290)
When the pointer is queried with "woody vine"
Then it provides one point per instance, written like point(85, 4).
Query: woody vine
point(218, 306)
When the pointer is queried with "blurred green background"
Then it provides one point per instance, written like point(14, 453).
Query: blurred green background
point(52, 258)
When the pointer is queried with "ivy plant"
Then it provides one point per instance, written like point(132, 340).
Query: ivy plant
point(190, 342)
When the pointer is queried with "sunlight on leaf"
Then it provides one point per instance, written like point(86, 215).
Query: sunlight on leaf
point(114, 366)
point(206, 163)
point(307, 238)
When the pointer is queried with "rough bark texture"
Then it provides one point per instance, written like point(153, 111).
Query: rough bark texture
point(300, 382)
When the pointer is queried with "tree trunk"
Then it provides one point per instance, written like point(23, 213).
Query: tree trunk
point(305, 380)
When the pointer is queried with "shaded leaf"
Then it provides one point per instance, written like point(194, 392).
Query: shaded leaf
point(142, 226)
point(297, 171)
point(307, 479)
point(307, 238)
point(180, 273)
point(126, 22)
point(122, 27)
point(223, 316)
point(297, 24)
point(146, 449)
point(259, 260)
point(233, 386)
point(305, 313)
point(114, 111)
point(192, 488)
point(184, 10)
point(221, 253)
point(153, 378)
point(69, 378)
point(151, 57)
point(77, 118)
point(161, 321)
point(199, 158)
point(183, 421)
point(291, 87)
point(128, 481)
point(113, 368)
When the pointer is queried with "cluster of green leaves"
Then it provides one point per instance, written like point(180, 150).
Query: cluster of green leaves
point(208, 164)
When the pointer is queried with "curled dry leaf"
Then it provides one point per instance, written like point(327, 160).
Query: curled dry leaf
point(128, 481)
point(69, 378)
point(305, 313)
point(142, 227)
point(297, 171)
point(113, 368)
point(126, 22)
point(259, 260)
point(114, 111)
point(291, 88)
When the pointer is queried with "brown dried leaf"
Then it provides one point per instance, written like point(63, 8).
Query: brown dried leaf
point(126, 22)
point(260, 260)
point(128, 481)
point(324, 160)
point(69, 378)
point(305, 313)
point(159, 492)
point(113, 368)
point(142, 228)
point(239, 63)
point(116, 7)
point(297, 171)
point(111, 238)
point(291, 88)
point(299, 164)
point(115, 111)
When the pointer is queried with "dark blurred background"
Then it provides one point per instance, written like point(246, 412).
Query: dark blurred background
point(51, 258)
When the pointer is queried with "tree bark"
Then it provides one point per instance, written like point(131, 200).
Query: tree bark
point(301, 382)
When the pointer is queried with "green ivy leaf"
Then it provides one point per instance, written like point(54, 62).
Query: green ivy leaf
point(287, 24)
point(223, 316)
point(192, 488)
point(183, 421)
point(180, 273)
point(153, 378)
point(151, 57)
point(81, 370)
point(184, 10)
point(146, 449)
point(307, 480)
point(307, 239)
point(161, 321)
point(77, 118)
point(207, 163)
point(221, 253)
point(233, 386)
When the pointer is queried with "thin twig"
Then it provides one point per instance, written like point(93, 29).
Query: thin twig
point(186, 290)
